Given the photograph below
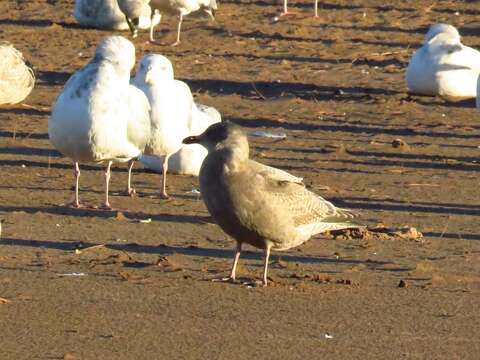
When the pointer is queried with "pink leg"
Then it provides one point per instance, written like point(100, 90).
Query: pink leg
point(106, 204)
point(238, 250)
point(130, 190)
point(76, 173)
point(164, 194)
point(316, 9)
point(180, 19)
point(265, 269)
point(232, 276)
point(285, 9)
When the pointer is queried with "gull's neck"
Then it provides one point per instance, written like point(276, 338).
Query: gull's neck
point(235, 151)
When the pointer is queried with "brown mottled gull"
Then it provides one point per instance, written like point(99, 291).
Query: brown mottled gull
point(16, 78)
point(256, 204)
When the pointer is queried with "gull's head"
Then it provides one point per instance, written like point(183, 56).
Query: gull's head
point(442, 29)
point(223, 135)
point(118, 51)
point(154, 68)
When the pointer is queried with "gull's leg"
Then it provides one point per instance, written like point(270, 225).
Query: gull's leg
point(316, 9)
point(132, 28)
point(76, 173)
point(135, 24)
point(285, 8)
point(180, 19)
point(265, 269)
point(155, 13)
point(106, 204)
point(164, 194)
point(238, 250)
point(130, 190)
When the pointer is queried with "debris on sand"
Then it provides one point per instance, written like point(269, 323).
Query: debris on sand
point(4, 301)
point(402, 284)
point(79, 251)
point(169, 263)
point(400, 144)
point(268, 134)
point(323, 279)
point(334, 148)
point(73, 274)
point(120, 216)
point(378, 233)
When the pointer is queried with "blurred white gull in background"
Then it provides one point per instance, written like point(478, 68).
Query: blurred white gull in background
point(106, 14)
point(173, 112)
point(443, 65)
point(187, 160)
point(134, 11)
point(181, 8)
point(99, 116)
point(16, 78)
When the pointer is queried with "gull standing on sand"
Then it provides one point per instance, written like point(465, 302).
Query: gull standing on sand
point(99, 116)
point(180, 8)
point(443, 65)
point(171, 103)
point(256, 204)
point(134, 10)
point(106, 14)
point(187, 160)
point(16, 78)
point(285, 8)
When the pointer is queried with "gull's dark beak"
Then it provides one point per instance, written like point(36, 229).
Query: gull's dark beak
point(191, 140)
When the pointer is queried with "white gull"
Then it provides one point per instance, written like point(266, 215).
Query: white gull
point(99, 116)
point(443, 65)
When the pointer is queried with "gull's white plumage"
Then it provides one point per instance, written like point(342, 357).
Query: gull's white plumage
point(135, 11)
point(171, 103)
point(443, 65)
point(436, 29)
point(99, 116)
point(180, 8)
point(16, 78)
point(106, 14)
point(187, 160)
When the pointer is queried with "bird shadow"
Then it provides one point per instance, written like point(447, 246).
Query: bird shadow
point(451, 235)
point(29, 151)
point(440, 101)
point(24, 111)
point(166, 250)
point(23, 135)
point(350, 127)
point(128, 216)
point(398, 205)
point(276, 90)
point(413, 156)
point(288, 57)
point(257, 34)
point(53, 78)
point(43, 23)
point(411, 164)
